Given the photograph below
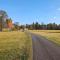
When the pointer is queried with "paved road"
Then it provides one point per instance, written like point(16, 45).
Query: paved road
point(44, 49)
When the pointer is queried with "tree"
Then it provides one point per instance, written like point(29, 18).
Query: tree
point(58, 27)
point(36, 25)
point(16, 25)
point(22, 27)
point(43, 26)
point(3, 17)
point(54, 26)
point(49, 26)
point(33, 25)
point(0, 23)
point(9, 23)
point(3, 14)
point(27, 26)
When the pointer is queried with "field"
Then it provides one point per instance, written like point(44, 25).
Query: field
point(15, 46)
point(52, 35)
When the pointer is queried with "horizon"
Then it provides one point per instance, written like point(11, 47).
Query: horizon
point(27, 12)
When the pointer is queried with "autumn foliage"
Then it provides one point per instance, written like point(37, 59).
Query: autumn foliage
point(9, 23)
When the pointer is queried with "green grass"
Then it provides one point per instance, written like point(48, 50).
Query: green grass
point(15, 46)
point(52, 35)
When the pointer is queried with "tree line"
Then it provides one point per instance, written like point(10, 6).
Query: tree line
point(6, 22)
point(42, 26)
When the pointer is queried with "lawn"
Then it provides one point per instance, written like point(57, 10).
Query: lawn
point(52, 35)
point(15, 46)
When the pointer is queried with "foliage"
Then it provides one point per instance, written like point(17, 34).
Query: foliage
point(16, 26)
point(37, 26)
point(3, 13)
point(3, 17)
point(0, 23)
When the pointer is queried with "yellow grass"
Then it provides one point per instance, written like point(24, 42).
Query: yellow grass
point(52, 35)
point(15, 45)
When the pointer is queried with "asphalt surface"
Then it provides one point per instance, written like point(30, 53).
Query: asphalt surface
point(44, 49)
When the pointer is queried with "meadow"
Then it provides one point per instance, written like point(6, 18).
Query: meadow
point(15, 46)
point(51, 35)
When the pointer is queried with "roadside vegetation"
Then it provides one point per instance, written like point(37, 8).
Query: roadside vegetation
point(52, 35)
point(15, 46)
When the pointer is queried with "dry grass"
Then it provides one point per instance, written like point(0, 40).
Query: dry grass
point(52, 35)
point(15, 46)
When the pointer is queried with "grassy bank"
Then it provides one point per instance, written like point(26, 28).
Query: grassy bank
point(15, 46)
point(52, 35)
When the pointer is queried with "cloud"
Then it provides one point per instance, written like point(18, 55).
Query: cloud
point(58, 9)
point(52, 18)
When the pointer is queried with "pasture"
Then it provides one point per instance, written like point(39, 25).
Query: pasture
point(52, 35)
point(15, 46)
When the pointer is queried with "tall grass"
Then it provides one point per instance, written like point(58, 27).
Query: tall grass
point(52, 35)
point(15, 46)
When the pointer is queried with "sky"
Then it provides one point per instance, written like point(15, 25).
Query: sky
point(29, 11)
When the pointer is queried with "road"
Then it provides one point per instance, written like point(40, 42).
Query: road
point(44, 49)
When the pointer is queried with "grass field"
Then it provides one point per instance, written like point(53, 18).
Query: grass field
point(15, 46)
point(52, 35)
